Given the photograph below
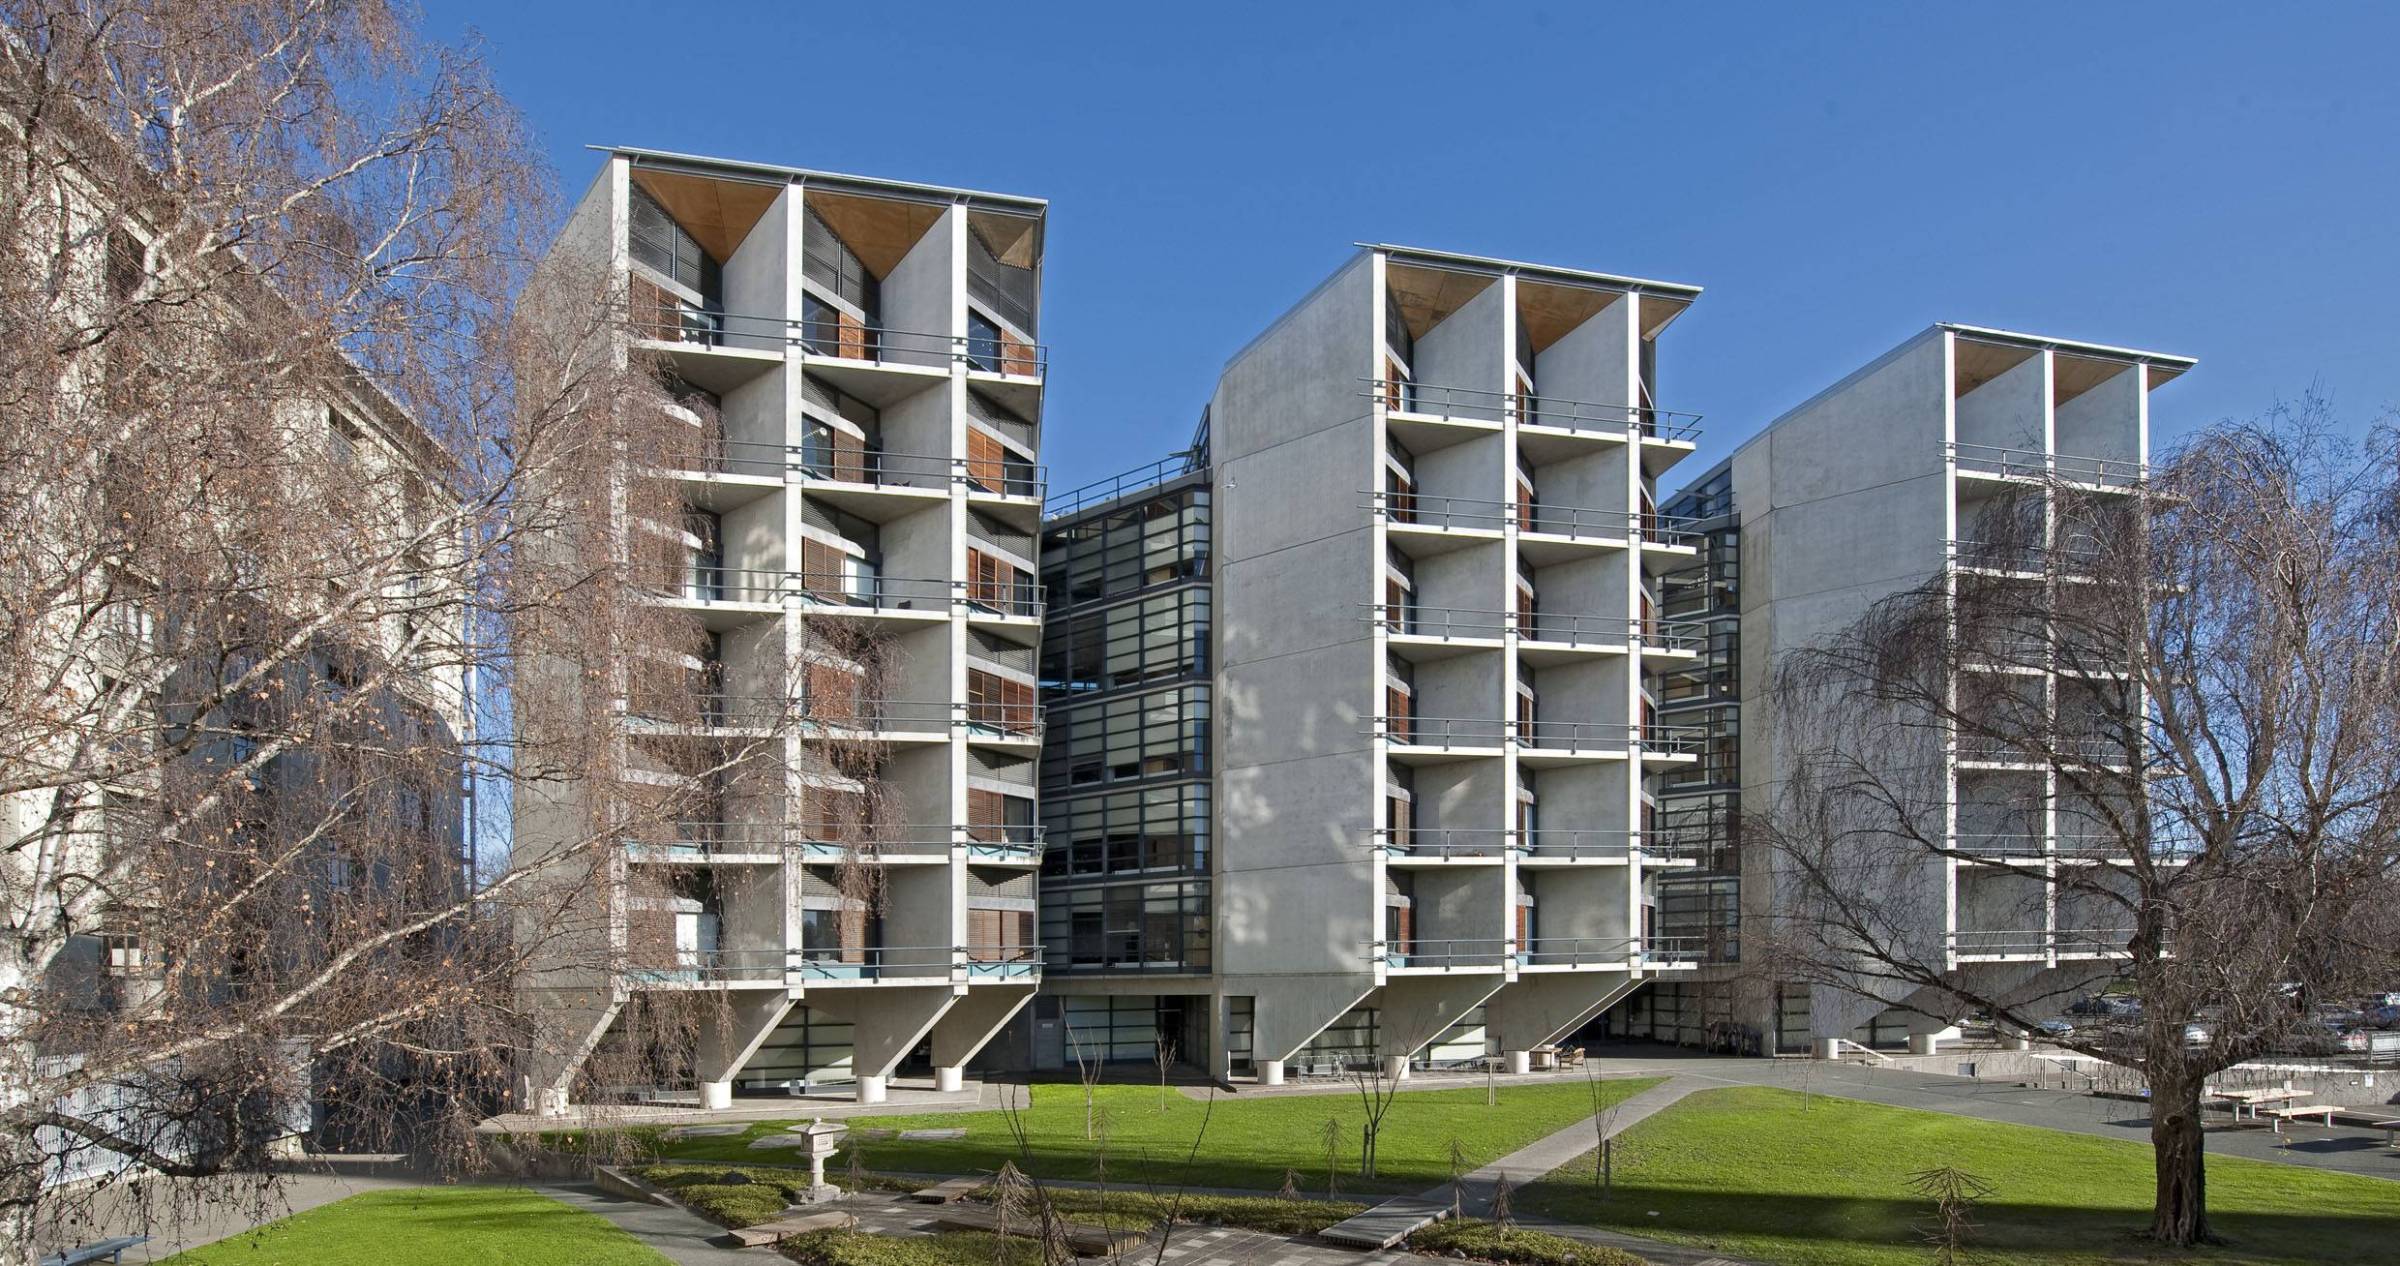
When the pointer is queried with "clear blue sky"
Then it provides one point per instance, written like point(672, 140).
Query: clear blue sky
point(2213, 180)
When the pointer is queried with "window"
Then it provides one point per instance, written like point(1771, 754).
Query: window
point(984, 344)
point(659, 243)
point(828, 261)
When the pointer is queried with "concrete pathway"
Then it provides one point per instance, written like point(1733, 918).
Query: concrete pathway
point(681, 1236)
point(179, 1214)
point(1388, 1221)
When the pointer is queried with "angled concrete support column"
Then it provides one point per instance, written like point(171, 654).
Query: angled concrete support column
point(886, 1022)
point(729, 1035)
point(968, 1026)
point(571, 1028)
point(1287, 1013)
point(1520, 1061)
point(1537, 1010)
point(1411, 1011)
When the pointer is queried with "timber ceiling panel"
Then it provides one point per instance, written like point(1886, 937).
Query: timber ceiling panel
point(717, 213)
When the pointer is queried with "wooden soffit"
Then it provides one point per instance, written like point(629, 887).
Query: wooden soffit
point(881, 231)
point(717, 213)
point(1014, 240)
point(1549, 312)
point(2071, 376)
point(1426, 297)
point(1977, 363)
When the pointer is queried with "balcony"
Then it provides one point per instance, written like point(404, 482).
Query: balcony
point(1425, 955)
point(1474, 405)
point(877, 720)
point(1615, 954)
point(668, 319)
point(832, 841)
point(1570, 846)
point(1442, 844)
point(1993, 945)
point(706, 714)
point(1425, 526)
point(1004, 843)
point(915, 964)
point(1428, 634)
point(2023, 465)
point(873, 596)
point(724, 598)
point(1432, 740)
point(707, 968)
point(686, 842)
point(999, 721)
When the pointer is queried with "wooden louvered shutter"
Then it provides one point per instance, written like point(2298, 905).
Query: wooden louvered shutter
point(987, 461)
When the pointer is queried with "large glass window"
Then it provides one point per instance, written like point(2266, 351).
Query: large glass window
point(1155, 542)
point(659, 243)
point(1127, 738)
point(1158, 927)
point(828, 261)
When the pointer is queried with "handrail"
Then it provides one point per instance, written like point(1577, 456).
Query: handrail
point(883, 715)
point(1417, 731)
point(1418, 509)
point(697, 583)
point(1440, 952)
point(1442, 842)
point(1478, 404)
point(695, 966)
point(1104, 490)
point(1555, 951)
point(876, 344)
point(876, 592)
point(1411, 620)
point(1574, 842)
point(2026, 463)
point(2039, 941)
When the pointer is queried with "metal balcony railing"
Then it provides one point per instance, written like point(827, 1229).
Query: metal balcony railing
point(2032, 464)
point(875, 592)
point(1002, 960)
point(1412, 620)
point(1567, 628)
point(679, 322)
point(1476, 953)
point(2021, 941)
point(709, 967)
point(1442, 843)
point(1474, 404)
point(846, 839)
point(715, 455)
point(1416, 731)
point(1565, 951)
point(708, 710)
point(1103, 491)
point(872, 962)
point(1574, 844)
point(1576, 736)
point(1003, 720)
point(838, 716)
point(709, 583)
point(1019, 601)
point(1417, 509)
point(1997, 843)
point(710, 839)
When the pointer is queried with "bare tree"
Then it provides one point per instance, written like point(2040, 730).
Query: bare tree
point(1955, 1194)
point(294, 492)
point(1377, 1090)
point(2148, 731)
point(1087, 1073)
point(1163, 1055)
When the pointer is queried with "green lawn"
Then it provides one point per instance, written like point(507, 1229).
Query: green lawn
point(1250, 1140)
point(1818, 1181)
point(432, 1226)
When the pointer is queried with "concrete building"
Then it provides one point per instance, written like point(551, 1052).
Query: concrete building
point(1388, 793)
point(859, 362)
point(1901, 474)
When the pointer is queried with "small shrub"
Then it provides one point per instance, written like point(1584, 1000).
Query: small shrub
point(1126, 1209)
point(1519, 1247)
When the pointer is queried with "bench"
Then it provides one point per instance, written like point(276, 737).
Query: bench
point(2323, 1111)
point(775, 1232)
point(945, 1192)
point(1086, 1241)
point(112, 1249)
point(2390, 1127)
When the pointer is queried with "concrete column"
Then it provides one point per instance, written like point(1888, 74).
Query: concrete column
point(1920, 1043)
point(552, 1102)
point(871, 1088)
point(716, 1096)
point(1829, 1048)
point(2018, 1042)
point(1270, 1072)
point(949, 1080)
point(1520, 1061)
point(1396, 1067)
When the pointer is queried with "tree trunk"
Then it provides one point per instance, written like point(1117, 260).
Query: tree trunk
point(2179, 1216)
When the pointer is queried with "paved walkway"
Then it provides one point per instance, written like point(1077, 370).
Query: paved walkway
point(178, 1214)
point(681, 1236)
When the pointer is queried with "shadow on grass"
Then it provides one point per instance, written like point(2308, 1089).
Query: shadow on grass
point(2007, 1231)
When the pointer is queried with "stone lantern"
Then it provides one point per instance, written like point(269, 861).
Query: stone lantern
point(823, 1138)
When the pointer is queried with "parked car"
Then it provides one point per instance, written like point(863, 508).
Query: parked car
point(2056, 1026)
point(2197, 1034)
point(2383, 1015)
point(2313, 1037)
